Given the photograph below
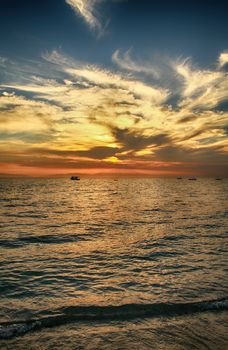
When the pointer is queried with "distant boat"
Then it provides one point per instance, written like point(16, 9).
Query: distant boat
point(193, 178)
point(77, 178)
point(218, 178)
point(179, 178)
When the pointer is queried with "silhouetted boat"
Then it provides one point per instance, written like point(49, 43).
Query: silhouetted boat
point(77, 178)
point(193, 178)
point(218, 178)
point(179, 178)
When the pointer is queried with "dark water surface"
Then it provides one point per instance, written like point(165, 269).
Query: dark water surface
point(113, 264)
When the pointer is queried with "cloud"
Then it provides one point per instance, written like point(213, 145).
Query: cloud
point(223, 59)
point(202, 89)
point(87, 9)
point(196, 81)
point(100, 152)
point(106, 78)
point(127, 63)
point(3, 61)
point(72, 115)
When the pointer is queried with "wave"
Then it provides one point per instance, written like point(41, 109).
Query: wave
point(125, 312)
point(47, 239)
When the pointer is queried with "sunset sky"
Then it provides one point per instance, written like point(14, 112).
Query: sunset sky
point(113, 87)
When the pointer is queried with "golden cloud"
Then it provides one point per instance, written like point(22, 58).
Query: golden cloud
point(80, 115)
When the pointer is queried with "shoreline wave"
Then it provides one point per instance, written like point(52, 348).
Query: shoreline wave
point(125, 312)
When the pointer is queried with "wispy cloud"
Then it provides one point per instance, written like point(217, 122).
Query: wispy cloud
point(87, 9)
point(202, 89)
point(3, 61)
point(127, 63)
point(196, 80)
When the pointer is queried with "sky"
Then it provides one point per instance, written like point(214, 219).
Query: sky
point(129, 87)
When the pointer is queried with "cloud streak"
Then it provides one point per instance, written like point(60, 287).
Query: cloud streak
point(127, 63)
point(87, 9)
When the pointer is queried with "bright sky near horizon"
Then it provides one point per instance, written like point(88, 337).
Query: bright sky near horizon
point(113, 86)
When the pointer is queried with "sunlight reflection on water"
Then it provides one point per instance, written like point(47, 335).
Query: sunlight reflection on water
point(106, 242)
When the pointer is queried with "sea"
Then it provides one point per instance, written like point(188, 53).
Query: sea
point(113, 263)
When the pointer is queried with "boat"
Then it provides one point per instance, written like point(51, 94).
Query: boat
point(192, 178)
point(77, 178)
point(179, 178)
point(218, 178)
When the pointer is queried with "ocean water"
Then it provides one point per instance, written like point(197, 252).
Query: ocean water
point(113, 264)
